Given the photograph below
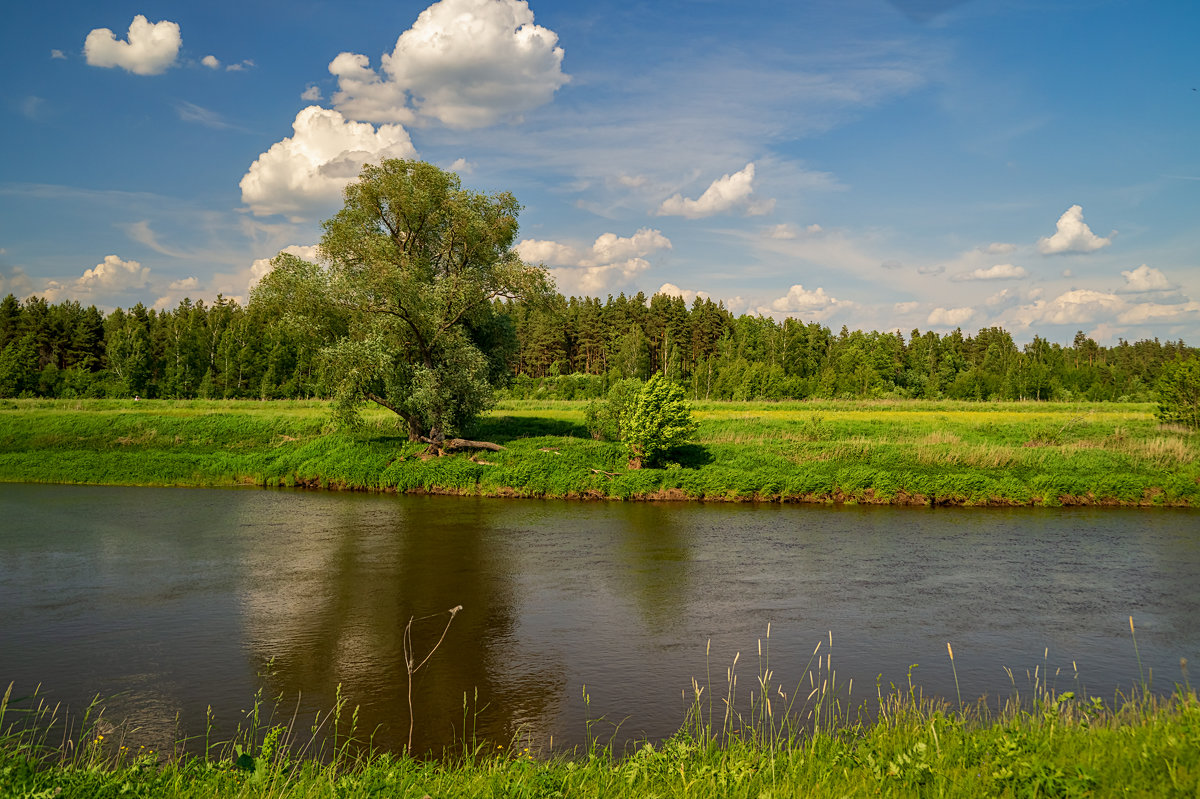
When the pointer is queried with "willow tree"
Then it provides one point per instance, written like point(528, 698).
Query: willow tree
point(405, 290)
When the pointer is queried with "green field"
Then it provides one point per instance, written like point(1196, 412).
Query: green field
point(903, 451)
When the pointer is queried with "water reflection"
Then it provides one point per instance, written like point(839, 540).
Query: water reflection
point(327, 598)
point(168, 601)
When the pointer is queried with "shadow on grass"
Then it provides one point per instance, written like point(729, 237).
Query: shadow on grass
point(500, 429)
point(690, 456)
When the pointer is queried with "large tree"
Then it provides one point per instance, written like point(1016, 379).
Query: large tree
point(405, 291)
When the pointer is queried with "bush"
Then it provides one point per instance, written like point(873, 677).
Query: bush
point(1179, 393)
point(603, 419)
point(657, 420)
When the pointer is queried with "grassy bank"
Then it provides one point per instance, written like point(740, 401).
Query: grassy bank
point(895, 451)
point(1059, 745)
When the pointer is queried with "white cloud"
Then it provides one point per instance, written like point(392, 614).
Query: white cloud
point(186, 284)
point(688, 295)
point(307, 171)
point(782, 231)
point(462, 166)
point(593, 281)
point(311, 94)
point(801, 303)
point(1087, 306)
point(949, 317)
point(56, 53)
point(999, 248)
point(466, 63)
point(1145, 278)
point(997, 272)
point(723, 194)
point(244, 64)
point(906, 307)
point(536, 251)
point(151, 48)
point(612, 262)
point(930, 270)
point(609, 247)
point(113, 276)
point(211, 61)
point(1072, 235)
point(1078, 306)
point(1145, 312)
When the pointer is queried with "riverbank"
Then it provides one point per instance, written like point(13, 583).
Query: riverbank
point(1061, 745)
point(895, 452)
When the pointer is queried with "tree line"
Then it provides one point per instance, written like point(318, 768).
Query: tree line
point(567, 347)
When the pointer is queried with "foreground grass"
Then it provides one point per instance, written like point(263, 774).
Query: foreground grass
point(1142, 746)
point(892, 451)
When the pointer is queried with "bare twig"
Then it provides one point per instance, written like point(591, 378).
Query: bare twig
point(410, 658)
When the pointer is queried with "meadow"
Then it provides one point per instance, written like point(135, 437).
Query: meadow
point(899, 451)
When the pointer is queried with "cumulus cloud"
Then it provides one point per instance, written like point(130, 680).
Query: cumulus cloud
point(307, 171)
point(462, 166)
point(688, 295)
point(949, 317)
point(56, 53)
point(536, 251)
point(211, 61)
point(610, 247)
point(997, 272)
point(113, 276)
point(1072, 235)
point(801, 303)
point(1078, 306)
point(999, 248)
point(612, 261)
point(906, 307)
point(1145, 278)
point(727, 192)
point(465, 63)
point(150, 49)
point(311, 94)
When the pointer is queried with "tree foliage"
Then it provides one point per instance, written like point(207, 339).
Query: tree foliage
point(1179, 393)
point(658, 419)
point(412, 267)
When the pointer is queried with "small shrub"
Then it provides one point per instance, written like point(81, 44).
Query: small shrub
point(657, 420)
point(1179, 393)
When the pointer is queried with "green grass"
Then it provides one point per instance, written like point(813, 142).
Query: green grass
point(1058, 744)
point(923, 452)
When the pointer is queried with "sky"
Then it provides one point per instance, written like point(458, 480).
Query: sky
point(878, 164)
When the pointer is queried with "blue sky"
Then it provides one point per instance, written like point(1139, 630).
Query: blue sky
point(882, 164)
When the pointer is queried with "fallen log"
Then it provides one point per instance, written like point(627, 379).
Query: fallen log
point(458, 444)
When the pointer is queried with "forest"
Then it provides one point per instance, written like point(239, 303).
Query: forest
point(566, 348)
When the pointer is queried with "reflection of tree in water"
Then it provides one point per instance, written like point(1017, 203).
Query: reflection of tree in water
point(329, 596)
point(655, 565)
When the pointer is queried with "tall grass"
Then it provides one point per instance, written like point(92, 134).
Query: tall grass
point(812, 739)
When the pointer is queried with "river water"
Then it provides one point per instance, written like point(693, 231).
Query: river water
point(168, 601)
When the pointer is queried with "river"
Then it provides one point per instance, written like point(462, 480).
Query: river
point(166, 602)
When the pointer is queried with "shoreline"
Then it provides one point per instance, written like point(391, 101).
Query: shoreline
point(943, 454)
